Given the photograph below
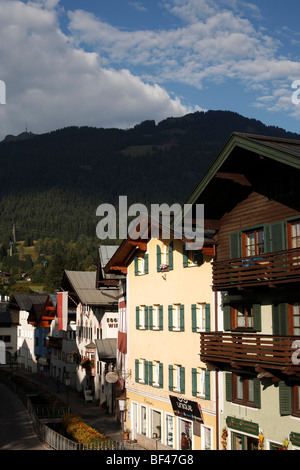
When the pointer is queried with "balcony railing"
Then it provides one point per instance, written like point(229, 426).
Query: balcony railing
point(250, 349)
point(264, 269)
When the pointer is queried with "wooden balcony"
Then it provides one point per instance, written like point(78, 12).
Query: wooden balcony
point(268, 269)
point(262, 352)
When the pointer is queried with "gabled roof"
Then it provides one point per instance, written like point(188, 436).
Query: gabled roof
point(105, 253)
point(83, 284)
point(286, 151)
point(25, 301)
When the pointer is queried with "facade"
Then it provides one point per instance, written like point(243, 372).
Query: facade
point(20, 306)
point(62, 345)
point(170, 393)
point(96, 332)
point(8, 333)
point(251, 198)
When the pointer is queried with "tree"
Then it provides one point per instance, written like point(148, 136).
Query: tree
point(54, 272)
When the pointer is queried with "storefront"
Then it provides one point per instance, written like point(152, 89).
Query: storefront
point(189, 418)
point(175, 423)
point(242, 435)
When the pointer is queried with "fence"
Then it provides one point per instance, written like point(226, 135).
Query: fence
point(38, 414)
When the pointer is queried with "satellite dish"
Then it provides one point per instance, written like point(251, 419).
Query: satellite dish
point(111, 377)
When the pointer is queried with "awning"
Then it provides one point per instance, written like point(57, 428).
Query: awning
point(106, 348)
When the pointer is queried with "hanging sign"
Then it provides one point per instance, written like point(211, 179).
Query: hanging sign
point(186, 409)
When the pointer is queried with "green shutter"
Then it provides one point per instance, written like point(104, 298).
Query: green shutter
point(181, 317)
point(161, 375)
point(185, 257)
point(150, 311)
point(137, 317)
point(280, 319)
point(170, 317)
point(256, 385)
point(234, 245)
point(227, 317)
point(161, 317)
point(228, 384)
point(158, 258)
point(182, 379)
point(146, 318)
point(207, 317)
point(150, 374)
point(137, 365)
point(207, 384)
point(146, 372)
point(257, 317)
point(170, 378)
point(136, 266)
point(146, 257)
point(194, 382)
point(194, 317)
point(285, 399)
point(275, 237)
point(170, 255)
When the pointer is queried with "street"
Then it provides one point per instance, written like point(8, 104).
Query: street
point(16, 430)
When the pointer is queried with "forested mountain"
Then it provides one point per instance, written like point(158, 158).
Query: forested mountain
point(51, 184)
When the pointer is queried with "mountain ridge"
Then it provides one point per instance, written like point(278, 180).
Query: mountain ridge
point(51, 184)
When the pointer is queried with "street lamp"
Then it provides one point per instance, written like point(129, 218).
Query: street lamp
point(122, 407)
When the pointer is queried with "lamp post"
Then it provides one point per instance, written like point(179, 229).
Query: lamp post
point(67, 382)
point(122, 408)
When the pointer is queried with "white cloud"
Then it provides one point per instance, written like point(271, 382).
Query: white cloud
point(51, 83)
point(214, 42)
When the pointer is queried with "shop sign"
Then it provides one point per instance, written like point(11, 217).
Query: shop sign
point(186, 409)
point(242, 425)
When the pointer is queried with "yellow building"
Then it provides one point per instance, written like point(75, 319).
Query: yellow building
point(170, 393)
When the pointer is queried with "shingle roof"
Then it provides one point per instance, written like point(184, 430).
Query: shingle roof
point(83, 283)
point(107, 348)
point(25, 301)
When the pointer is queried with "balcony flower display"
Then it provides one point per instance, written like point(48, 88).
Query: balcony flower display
point(164, 267)
point(87, 363)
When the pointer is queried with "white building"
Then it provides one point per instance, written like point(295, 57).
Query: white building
point(96, 331)
point(20, 305)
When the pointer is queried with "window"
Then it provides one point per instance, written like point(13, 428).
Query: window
point(170, 430)
point(141, 265)
point(295, 319)
point(155, 419)
point(242, 317)
point(206, 441)
point(141, 371)
point(143, 420)
point(156, 317)
point(200, 317)
point(156, 374)
point(164, 255)
point(253, 242)
point(243, 442)
point(296, 400)
point(142, 317)
point(243, 390)
point(201, 383)
point(192, 257)
point(176, 317)
point(177, 378)
point(294, 234)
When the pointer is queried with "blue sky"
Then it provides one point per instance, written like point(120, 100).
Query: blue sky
point(116, 63)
